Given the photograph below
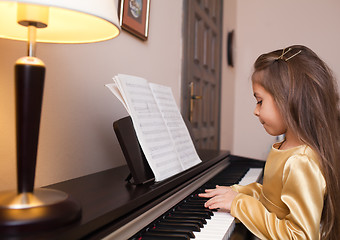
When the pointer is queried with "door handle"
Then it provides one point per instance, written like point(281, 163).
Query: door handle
point(193, 97)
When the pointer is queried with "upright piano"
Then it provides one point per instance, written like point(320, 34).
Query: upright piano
point(113, 208)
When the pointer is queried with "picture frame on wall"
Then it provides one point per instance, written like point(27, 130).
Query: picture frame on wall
point(134, 17)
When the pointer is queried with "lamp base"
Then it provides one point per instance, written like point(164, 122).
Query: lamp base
point(31, 212)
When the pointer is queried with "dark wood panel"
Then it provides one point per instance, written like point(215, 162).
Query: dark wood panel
point(108, 201)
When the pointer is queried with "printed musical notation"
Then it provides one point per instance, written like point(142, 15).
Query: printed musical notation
point(175, 124)
point(159, 126)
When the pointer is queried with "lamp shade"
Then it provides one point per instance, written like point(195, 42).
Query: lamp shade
point(68, 21)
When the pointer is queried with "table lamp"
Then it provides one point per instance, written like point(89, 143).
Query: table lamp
point(50, 21)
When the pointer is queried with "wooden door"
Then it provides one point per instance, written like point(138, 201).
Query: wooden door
point(201, 70)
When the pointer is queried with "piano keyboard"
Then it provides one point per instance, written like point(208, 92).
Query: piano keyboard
point(188, 219)
point(221, 224)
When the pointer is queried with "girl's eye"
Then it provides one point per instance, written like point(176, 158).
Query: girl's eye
point(259, 102)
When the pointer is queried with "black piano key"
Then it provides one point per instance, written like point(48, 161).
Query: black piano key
point(226, 178)
point(209, 186)
point(201, 219)
point(198, 204)
point(223, 182)
point(163, 236)
point(181, 220)
point(191, 213)
point(190, 234)
point(193, 205)
point(193, 209)
point(178, 226)
point(196, 199)
point(230, 176)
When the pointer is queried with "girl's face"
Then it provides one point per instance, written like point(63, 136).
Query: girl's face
point(267, 111)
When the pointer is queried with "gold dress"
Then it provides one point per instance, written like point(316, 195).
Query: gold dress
point(289, 203)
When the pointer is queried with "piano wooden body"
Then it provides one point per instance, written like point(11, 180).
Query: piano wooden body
point(112, 208)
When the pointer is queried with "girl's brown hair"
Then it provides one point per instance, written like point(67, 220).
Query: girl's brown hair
point(305, 92)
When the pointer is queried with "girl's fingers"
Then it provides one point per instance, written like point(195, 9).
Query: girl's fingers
point(222, 201)
point(219, 190)
point(207, 194)
point(214, 206)
point(212, 201)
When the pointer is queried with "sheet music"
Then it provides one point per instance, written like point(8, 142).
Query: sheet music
point(158, 123)
point(176, 125)
point(114, 89)
point(150, 127)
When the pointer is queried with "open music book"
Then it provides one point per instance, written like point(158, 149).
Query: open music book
point(159, 126)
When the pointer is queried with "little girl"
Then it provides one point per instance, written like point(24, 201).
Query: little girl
point(297, 96)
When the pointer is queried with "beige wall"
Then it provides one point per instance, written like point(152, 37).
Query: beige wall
point(228, 77)
point(76, 135)
point(262, 26)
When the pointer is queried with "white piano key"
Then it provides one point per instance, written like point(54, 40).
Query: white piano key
point(251, 176)
point(217, 228)
point(221, 225)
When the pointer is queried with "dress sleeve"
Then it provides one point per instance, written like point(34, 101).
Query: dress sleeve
point(303, 193)
point(252, 189)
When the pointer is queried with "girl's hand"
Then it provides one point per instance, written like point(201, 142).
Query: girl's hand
point(221, 197)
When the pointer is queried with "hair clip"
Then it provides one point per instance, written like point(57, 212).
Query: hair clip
point(293, 55)
point(285, 52)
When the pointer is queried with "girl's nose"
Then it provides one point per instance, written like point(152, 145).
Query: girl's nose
point(256, 111)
